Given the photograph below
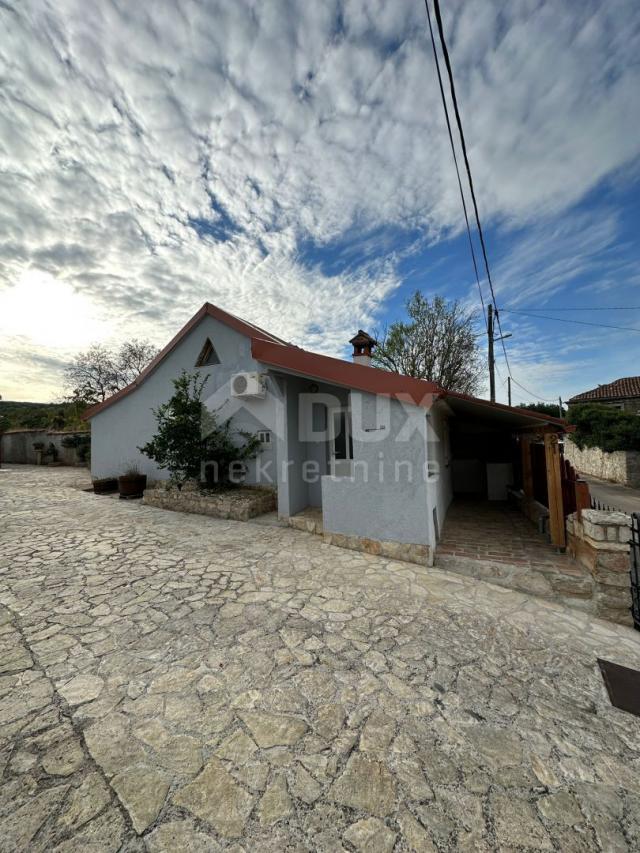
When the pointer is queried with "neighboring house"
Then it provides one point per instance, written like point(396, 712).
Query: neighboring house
point(622, 394)
point(380, 453)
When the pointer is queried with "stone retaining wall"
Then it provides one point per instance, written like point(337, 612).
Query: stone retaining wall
point(16, 446)
point(408, 552)
point(239, 504)
point(622, 466)
point(599, 541)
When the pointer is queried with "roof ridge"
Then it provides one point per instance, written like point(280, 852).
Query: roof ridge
point(621, 388)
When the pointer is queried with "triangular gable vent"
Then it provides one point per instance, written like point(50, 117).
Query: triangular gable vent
point(208, 355)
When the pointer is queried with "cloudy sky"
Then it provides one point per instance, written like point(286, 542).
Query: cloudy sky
point(288, 161)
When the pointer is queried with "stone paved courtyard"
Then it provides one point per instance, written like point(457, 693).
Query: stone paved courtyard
point(181, 683)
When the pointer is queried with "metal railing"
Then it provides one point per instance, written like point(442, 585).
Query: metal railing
point(634, 558)
point(596, 504)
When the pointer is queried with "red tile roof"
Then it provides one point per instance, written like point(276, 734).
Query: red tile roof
point(275, 352)
point(621, 389)
point(207, 310)
point(345, 373)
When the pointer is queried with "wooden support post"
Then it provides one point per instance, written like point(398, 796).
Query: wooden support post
point(583, 498)
point(554, 489)
point(527, 472)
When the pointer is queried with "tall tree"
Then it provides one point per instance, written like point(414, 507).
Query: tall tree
point(132, 358)
point(99, 372)
point(91, 377)
point(438, 342)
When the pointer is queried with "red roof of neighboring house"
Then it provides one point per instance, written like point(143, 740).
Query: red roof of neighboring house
point(621, 389)
point(275, 352)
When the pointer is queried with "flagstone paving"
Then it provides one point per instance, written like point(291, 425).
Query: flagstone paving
point(178, 683)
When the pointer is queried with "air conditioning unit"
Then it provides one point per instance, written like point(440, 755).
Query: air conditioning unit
point(247, 385)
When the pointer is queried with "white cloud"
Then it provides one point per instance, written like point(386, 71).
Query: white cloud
point(302, 122)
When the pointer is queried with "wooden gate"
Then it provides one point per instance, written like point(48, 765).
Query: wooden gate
point(575, 492)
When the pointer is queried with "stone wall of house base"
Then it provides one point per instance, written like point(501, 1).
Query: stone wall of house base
point(599, 542)
point(623, 466)
point(410, 553)
point(238, 504)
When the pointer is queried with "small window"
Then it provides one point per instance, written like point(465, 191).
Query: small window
point(342, 440)
point(208, 355)
point(264, 436)
point(319, 417)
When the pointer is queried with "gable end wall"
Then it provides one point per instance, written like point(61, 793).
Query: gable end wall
point(121, 428)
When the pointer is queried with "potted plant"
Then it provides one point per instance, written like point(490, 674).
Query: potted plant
point(52, 453)
point(81, 443)
point(105, 485)
point(132, 483)
point(38, 446)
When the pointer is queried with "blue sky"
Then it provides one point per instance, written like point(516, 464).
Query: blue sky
point(289, 162)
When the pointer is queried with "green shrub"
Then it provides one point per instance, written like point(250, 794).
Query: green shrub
point(177, 444)
point(189, 435)
point(81, 442)
point(605, 427)
point(223, 454)
point(551, 409)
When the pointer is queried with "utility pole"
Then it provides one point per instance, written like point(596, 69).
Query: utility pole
point(491, 313)
point(492, 362)
point(509, 388)
point(560, 407)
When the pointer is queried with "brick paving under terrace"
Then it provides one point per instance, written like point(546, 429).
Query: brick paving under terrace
point(495, 541)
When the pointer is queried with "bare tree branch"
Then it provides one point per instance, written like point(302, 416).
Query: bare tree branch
point(99, 372)
point(437, 343)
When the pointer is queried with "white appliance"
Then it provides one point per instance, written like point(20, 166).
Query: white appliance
point(499, 476)
point(247, 385)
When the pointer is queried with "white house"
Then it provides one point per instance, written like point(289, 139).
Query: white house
point(381, 454)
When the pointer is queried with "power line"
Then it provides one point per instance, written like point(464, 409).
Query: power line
point(445, 53)
point(577, 322)
point(520, 385)
point(581, 308)
point(455, 161)
point(537, 396)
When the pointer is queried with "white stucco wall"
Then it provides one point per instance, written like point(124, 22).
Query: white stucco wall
point(295, 490)
point(387, 497)
point(439, 463)
point(118, 431)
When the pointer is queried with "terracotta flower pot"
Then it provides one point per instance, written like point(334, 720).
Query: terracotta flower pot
point(132, 485)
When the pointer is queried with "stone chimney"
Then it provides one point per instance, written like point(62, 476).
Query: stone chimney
point(363, 345)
